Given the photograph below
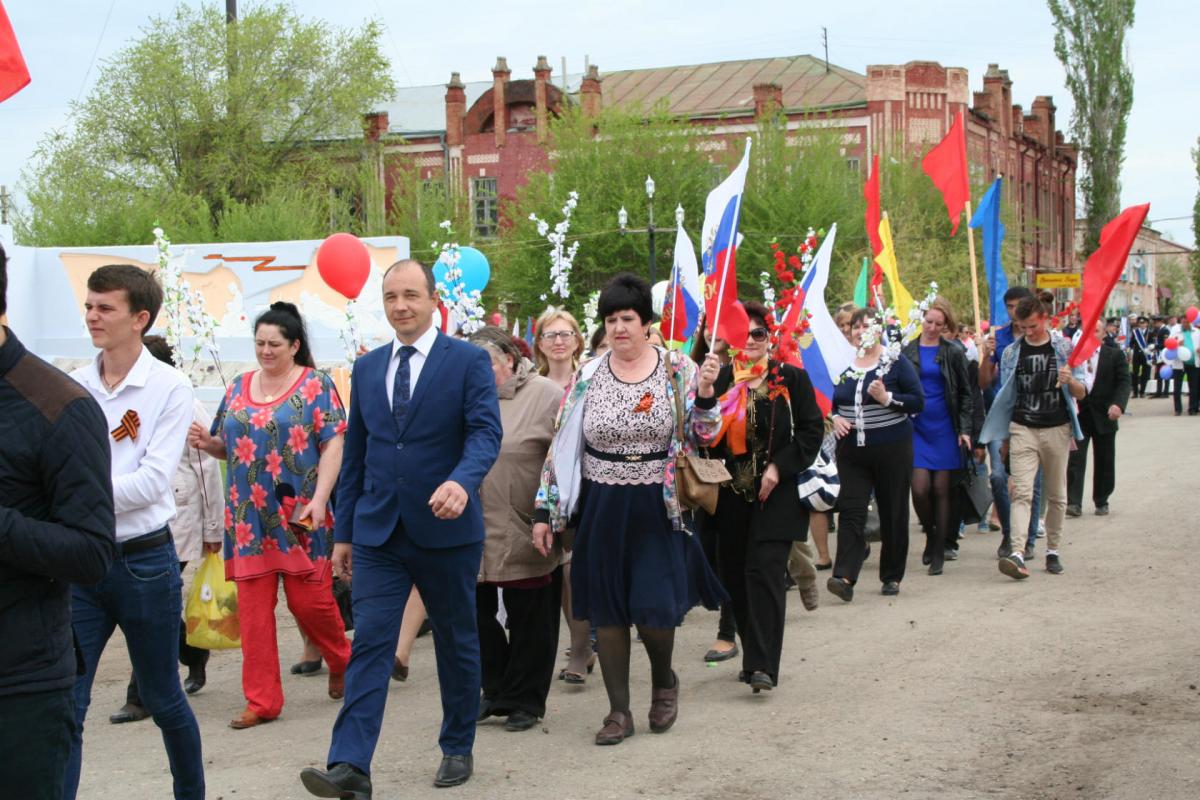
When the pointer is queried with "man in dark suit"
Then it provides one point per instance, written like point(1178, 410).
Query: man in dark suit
point(424, 429)
point(1161, 331)
point(1108, 384)
point(1142, 343)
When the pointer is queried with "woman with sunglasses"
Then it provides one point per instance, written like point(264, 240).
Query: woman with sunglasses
point(771, 429)
point(559, 346)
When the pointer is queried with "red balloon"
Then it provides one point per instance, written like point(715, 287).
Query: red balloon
point(344, 264)
point(1171, 343)
point(984, 325)
point(1192, 313)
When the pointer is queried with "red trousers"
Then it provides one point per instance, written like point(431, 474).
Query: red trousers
point(310, 599)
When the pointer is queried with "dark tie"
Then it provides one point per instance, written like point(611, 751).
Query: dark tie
point(400, 386)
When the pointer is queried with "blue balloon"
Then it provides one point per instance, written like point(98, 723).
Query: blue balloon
point(1171, 355)
point(475, 269)
point(1165, 373)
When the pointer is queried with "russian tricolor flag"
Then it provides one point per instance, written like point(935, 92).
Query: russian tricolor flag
point(719, 256)
point(826, 352)
point(682, 309)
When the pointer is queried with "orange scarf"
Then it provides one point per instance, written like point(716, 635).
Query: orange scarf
point(733, 404)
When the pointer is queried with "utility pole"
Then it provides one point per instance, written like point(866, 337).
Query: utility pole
point(4, 198)
point(824, 41)
point(230, 37)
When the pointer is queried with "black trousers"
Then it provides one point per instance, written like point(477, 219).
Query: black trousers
point(1104, 464)
point(518, 667)
point(188, 656)
point(35, 743)
point(706, 529)
point(754, 573)
point(1141, 374)
point(886, 469)
point(1193, 379)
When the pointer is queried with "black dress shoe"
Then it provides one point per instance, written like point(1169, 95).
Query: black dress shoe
point(520, 721)
point(129, 713)
point(714, 655)
point(342, 780)
point(761, 682)
point(486, 710)
point(950, 554)
point(454, 771)
point(306, 667)
point(195, 680)
point(890, 588)
point(840, 588)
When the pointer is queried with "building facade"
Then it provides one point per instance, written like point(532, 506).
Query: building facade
point(482, 139)
point(1140, 289)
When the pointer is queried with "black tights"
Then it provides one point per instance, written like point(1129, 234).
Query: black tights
point(933, 503)
point(612, 641)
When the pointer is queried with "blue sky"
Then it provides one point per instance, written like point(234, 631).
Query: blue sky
point(65, 41)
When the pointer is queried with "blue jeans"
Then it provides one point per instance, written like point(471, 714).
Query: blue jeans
point(141, 593)
point(1000, 495)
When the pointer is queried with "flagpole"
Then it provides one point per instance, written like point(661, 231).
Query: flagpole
point(974, 266)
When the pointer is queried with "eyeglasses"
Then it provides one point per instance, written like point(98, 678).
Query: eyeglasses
point(550, 336)
point(759, 334)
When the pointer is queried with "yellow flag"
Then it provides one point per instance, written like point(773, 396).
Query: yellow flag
point(901, 299)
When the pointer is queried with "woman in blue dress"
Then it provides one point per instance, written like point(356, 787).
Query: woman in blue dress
point(940, 431)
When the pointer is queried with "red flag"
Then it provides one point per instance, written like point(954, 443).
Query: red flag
point(871, 194)
point(1100, 275)
point(14, 75)
point(946, 166)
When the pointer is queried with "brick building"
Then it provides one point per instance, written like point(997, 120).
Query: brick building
point(483, 138)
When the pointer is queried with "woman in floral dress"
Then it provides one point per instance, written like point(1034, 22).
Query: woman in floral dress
point(280, 429)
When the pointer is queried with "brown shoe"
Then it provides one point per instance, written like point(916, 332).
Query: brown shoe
point(618, 726)
point(664, 707)
point(810, 597)
point(248, 719)
point(337, 685)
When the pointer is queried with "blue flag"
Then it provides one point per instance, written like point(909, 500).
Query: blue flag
point(987, 216)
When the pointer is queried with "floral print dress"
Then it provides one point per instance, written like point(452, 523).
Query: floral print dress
point(272, 445)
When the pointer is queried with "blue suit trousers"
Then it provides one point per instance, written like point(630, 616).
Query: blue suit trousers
point(383, 576)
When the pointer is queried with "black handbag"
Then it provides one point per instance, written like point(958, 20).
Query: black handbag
point(974, 492)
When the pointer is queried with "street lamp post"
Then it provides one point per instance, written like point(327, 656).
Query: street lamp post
point(623, 221)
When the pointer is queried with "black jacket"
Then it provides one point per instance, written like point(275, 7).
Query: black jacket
point(1111, 387)
point(796, 432)
point(56, 516)
point(952, 359)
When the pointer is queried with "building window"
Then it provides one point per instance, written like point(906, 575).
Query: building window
point(854, 164)
point(486, 202)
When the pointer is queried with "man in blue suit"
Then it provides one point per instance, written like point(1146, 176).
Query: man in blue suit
point(424, 430)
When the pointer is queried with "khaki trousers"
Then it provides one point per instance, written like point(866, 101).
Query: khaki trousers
point(1027, 448)
point(801, 564)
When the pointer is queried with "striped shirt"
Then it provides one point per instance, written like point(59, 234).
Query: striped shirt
point(881, 424)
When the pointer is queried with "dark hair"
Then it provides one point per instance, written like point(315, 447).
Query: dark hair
point(626, 292)
point(3, 281)
point(430, 280)
point(490, 337)
point(141, 287)
point(1047, 298)
point(159, 348)
point(1017, 293)
point(523, 346)
point(597, 338)
point(756, 309)
point(1029, 306)
point(286, 317)
point(862, 313)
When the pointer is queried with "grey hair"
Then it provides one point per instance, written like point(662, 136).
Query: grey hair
point(492, 338)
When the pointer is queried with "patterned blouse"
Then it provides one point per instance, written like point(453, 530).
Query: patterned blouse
point(627, 419)
point(267, 446)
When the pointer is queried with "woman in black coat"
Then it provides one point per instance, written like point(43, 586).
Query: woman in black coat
point(771, 430)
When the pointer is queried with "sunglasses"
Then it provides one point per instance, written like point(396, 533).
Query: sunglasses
point(759, 334)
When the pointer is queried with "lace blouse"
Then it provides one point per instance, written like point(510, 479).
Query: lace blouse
point(627, 419)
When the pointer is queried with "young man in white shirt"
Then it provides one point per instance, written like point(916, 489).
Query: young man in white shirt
point(148, 407)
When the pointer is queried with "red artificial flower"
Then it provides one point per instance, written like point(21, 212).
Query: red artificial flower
point(794, 262)
point(258, 496)
point(244, 534)
point(298, 439)
point(645, 404)
point(311, 390)
point(245, 451)
point(274, 462)
point(261, 418)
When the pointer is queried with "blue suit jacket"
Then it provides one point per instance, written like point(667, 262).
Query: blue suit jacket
point(452, 431)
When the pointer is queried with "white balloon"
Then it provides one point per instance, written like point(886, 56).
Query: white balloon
point(1185, 354)
point(658, 293)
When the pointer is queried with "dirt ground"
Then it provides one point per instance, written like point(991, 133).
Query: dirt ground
point(967, 685)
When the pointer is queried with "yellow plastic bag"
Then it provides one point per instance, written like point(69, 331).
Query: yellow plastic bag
point(211, 613)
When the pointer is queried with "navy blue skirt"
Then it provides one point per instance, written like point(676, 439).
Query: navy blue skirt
point(630, 567)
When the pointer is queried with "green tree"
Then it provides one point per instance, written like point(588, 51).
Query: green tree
point(197, 123)
point(1172, 272)
point(1089, 40)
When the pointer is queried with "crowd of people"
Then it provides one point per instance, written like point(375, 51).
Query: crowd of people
point(502, 490)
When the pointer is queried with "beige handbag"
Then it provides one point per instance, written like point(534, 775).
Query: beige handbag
point(697, 479)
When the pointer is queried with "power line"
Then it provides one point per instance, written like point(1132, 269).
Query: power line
point(95, 51)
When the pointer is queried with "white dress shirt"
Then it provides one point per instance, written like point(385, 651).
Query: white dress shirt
point(143, 467)
point(415, 362)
